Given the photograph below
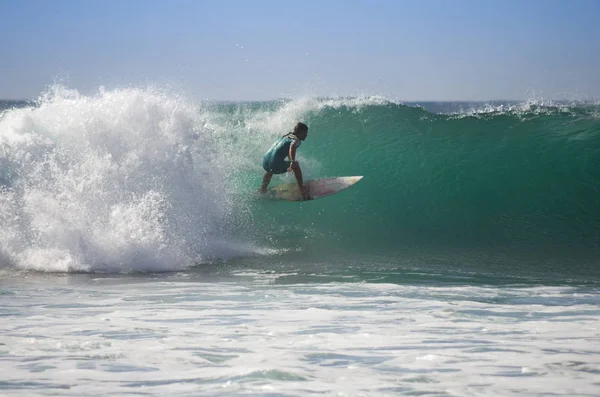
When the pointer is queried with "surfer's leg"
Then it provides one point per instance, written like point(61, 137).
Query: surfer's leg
point(266, 180)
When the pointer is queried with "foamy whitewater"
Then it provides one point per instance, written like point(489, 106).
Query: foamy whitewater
point(120, 181)
point(136, 257)
point(190, 335)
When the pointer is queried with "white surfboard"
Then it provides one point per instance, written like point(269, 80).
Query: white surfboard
point(318, 188)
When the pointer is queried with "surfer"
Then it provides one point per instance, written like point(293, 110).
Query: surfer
point(274, 161)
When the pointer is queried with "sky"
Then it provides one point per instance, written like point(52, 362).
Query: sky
point(266, 49)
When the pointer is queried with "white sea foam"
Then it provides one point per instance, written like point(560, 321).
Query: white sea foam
point(238, 336)
point(122, 180)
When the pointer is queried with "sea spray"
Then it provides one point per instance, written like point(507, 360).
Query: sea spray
point(121, 180)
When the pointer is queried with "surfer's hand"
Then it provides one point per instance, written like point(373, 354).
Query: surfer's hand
point(291, 167)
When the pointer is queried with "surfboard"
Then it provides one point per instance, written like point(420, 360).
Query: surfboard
point(318, 188)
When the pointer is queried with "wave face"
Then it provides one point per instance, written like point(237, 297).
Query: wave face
point(138, 179)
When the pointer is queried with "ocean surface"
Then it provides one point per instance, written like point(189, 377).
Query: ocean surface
point(136, 257)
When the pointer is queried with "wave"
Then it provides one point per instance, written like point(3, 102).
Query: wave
point(140, 179)
point(518, 182)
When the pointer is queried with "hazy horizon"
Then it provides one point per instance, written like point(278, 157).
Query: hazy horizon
point(431, 101)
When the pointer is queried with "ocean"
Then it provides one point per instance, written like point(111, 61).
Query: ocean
point(137, 258)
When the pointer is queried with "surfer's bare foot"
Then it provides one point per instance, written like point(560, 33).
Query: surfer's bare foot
point(305, 192)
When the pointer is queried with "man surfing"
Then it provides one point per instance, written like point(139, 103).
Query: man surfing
point(274, 161)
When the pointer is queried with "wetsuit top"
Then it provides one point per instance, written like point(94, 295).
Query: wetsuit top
point(274, 160)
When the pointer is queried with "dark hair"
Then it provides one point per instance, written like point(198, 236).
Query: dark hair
point(300, 127)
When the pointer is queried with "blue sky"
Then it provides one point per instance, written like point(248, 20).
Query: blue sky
point(265, 49)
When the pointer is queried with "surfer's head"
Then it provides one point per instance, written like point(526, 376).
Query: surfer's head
point(301, 131)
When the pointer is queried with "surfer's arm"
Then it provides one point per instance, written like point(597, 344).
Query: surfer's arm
point(295, 168)
point(292, 157)
point(292, 154)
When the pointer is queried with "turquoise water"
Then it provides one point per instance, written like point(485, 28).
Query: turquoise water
point(136, 256)
point(492, 189)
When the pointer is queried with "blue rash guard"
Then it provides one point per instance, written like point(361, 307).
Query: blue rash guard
point(274, 160)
